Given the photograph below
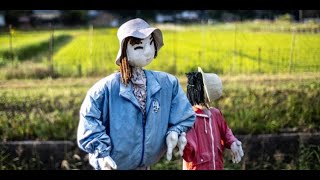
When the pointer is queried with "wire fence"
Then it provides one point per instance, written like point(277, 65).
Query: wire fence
point(223, 48)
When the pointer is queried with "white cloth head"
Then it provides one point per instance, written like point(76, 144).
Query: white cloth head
point(140, 29)
point(141, 54)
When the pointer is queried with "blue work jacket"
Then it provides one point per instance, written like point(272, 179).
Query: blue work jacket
point(113, 124)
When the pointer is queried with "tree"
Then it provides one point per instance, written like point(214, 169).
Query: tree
point(74, 17)
point(12, 16)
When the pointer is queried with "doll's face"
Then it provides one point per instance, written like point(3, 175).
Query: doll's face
point(141, 53)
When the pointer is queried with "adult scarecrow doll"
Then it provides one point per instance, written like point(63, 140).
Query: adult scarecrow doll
point(129, 119)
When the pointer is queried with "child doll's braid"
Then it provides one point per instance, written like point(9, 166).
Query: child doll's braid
point(195, 88)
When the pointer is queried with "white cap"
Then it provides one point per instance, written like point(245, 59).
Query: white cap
point(212, 85)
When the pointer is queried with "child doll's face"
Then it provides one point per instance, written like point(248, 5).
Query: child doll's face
point(142, 53)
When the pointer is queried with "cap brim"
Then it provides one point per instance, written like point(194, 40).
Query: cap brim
point(143, 33)
point(118, 56)
point(204, 84)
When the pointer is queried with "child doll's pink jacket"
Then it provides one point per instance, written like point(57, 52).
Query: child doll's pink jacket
point(206, 141)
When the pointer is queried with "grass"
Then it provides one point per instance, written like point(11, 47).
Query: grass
point(271, 106)
point(30, 60)
point(40, 112)
point(309, 157)
point(48, 109)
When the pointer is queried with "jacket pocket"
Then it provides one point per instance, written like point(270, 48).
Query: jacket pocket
point(202, 159)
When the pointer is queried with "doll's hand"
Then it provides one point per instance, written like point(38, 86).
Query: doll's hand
point(236, 151)
point(182, 142)
point(107, 163)
point(172, 141)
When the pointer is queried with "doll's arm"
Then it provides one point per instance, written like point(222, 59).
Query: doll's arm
point(182, 118)
point(190, 149)
point(231, 141)
point(91, 135)
point(225, 132)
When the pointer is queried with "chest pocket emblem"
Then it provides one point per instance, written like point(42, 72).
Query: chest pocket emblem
point(155, 105)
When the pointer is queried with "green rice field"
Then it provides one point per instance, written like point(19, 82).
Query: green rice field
point(234, 48)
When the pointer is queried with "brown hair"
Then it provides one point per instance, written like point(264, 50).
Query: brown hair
point(125, 68)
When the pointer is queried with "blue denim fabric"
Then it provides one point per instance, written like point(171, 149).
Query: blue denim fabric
point(111, 121)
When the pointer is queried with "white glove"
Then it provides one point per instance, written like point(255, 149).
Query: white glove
point(172, 141)
point(236, 151)
point(107, 163)
point(182, 142)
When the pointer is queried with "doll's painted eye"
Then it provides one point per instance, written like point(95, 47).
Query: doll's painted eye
point(139, 47)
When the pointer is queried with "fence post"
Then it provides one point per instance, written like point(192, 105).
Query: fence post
point(174, 70)
point(279, 61)
point(292, 49)
point(259, 59)
point(10, 42)
point(79, 70)
point(235, 47)
point(203, 42)
point(50, 55)
point(270, 57)
point(240, 69)
point(90, 48)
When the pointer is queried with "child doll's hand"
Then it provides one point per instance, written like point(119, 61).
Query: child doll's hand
point(172, 141)
point(182, 142)
point(107, 163)
point(236, 151)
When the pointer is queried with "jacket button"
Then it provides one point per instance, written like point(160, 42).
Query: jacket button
point(201, 160)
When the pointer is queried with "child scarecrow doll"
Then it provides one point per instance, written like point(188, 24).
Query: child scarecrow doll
point(210, 134)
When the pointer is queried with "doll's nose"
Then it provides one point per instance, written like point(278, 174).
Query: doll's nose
point(147, 51)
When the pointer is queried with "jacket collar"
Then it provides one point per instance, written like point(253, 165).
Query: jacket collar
point(152, 84)
point(201, 113)
point(152, 88)
point(127, 93)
